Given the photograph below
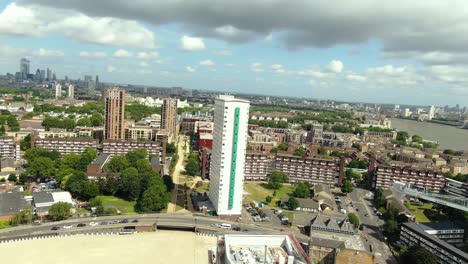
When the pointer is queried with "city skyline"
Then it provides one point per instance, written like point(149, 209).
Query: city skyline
point(346, 58)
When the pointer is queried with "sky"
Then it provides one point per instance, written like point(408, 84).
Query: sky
point(406, 52)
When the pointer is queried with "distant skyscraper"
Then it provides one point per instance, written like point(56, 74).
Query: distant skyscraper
point(91, 88)
point(58, 90)
point(38, 76)
point(228, 154)
point(97, 81)
point(71, 92)
point(66, 78)
point(54, 77)
point(43, 76)
point(431, 112)
point(88, 78)
point(114, 127)
point(407, 112)
point(49, 75)
point(24, 67)
point(169, 116)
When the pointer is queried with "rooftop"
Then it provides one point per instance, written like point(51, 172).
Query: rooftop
point(11, 202)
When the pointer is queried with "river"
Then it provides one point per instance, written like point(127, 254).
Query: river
point(448, 137)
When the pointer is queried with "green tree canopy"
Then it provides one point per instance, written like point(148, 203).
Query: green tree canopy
point(135, 155)
point(59, 211)
point(192, 168)
point(117, 164)
point(143, 166)
point(379, 198)
point(301, 152)
point(25, 143)
point(276, 179)
point(171, 148)
point(354, 219)
point(302, 190)
point(293, 203)
point(347, 186)
point(42, 167)
point(418, 255)
point(12, 177)
point(154, 199)
point(130, 184)
point(85, 121)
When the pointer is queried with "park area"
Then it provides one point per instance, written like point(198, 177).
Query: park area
point(125, 207)
point(259, 191)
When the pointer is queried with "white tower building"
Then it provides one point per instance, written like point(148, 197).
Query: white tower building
point(231, 117)
point(71, 92)
point(58, 90)
point(431, 112)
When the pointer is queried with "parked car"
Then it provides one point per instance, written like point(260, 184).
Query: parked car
point(257, 218)
point(67, 226)
point(366, 215)
point(135, 221)
point(104, 223)
point(124, 221)
point(266, 219)
point(236, 228)
point(55, 228)
point(285, 222)
point(114, 222)
point(93, 224)
point(81, 225)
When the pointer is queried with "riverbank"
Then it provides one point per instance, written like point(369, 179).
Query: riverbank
point(448, 137)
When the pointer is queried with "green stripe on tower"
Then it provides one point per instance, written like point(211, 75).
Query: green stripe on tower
point(232, 180)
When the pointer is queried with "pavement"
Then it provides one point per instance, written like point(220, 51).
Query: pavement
point(171, 207)
point(371, 233)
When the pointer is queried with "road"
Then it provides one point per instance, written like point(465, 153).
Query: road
point(362, 205)
point(184, 220)
point(182, 140)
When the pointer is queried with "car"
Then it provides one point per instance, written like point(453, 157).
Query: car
point(286, 222)
point(55, 228)
point(236, 228)
point(266, 219)
point(257, 218)
point(135, 221)
point(103, 223)
point(67, 226)
point(366, 215)
point(115, 222)
point(124, 221)
point(93, 224)
point(81, 225)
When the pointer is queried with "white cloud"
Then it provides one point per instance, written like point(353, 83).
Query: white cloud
point(191, 43)
point(144, 71)
point(48, 53)
point(111, 69)
point(314, 73)
point(355, 77)
point(276, 66)
point(256, 67)
point(223, 53)
point(121, 53)
point(148, 55)
point(207, 63)
point(335, 66)
point(144, 64)
point(312, 83)
point(36, 20)
point(93, 55)
point(190, 69)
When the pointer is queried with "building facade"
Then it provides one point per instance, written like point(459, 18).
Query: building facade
point(231, 116)
point(384, 176)
point(122, 147)
point(8, 148)
point(65, 145)
point(169, 116)
point(456, 188)
point(256, 166)
point(114, 127)
point(415, 234)
point(71, 92)
point(58, 90)
point(137, 132)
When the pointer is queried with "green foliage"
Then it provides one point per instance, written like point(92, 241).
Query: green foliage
point(293, 203)
point(269, 123)
point(402, 136)
point(154, 199)
point(85, 121)
point(25, 216)
point(55, 122)
point(117, 164)
point(379, 129)
point(337, 153)
point(418, 255)
point(168, 182)
point(25, 143)
point(276, 179)
point(347, 186)
point(79, 185)
point(42, 167)
point(353, 175)
point(134, 156)
point(427, 144)
point(417, 138)
point(34, 153)
point(130, 184)
point(358, 164)
point(302, 190)
point(342, 129)
point(59, 211)
point(301, 152)
point(324, 117)
point(171, 148)
point(12, 177)
point(268, 199)
point(143, 166)
point(354, 219)
point(379, 198)
point(96, 120)
point(192, 168)
point(138, 111)
point(108, 185)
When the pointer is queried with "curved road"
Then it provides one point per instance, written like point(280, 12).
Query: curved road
point(174, 220)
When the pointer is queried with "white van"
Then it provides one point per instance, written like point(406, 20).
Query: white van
point(225, 226)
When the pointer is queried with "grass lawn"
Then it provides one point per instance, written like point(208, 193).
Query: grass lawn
point(125, 207)
point(418, 211)
point(82, 211)
point(205, 187)
point(4, 224)
point(258, 192)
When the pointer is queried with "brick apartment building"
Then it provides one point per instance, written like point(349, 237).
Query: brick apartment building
point(65, 145)
point(256, 166)
point(122, 147)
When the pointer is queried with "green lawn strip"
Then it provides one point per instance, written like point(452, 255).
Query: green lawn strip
point(258, 192)
point(4, 224)
point(418, 211)
point(125, 207)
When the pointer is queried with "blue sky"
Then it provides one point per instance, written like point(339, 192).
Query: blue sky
point(354, 51)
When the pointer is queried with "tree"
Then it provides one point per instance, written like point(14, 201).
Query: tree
point(135, 155)
point(283, 146)
point(96, 120)
point(352, 175)
point(293, 203)
point(72, 160)
point(63, 172)
point(276, 179)
point(90, 190)
point(79, 185)
point(154, 199)
point(171, 148)
point(379, 198)
point(402, 136)
point(192, 168)
point(12, 177)
point(417, 138)
point(88, 156)
point(302, 190)
point(86, 122)
point(130, 184)
point(301, 152)
point(42, 167)
point(143, 166)
point(117, 164)
point(353, 219)
point(418, 255)
point(347, 186)
point(108, 185)
point(268, 199)
point(450, 152)
point(34, 153)
point(23, 178)
point(168, 182)
point(59, 211)
point(25, 144)
point(24, 216)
